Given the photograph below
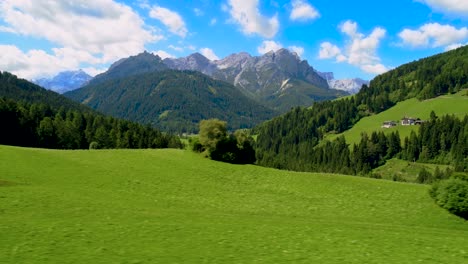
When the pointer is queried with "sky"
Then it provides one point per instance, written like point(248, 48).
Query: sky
point(360, 38)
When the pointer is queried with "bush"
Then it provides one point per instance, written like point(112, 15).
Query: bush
point(94, 145)
point(195, 145)
point(452, 195)
point(424, 176)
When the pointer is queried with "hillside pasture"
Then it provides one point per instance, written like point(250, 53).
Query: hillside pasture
point(173, 206)
point(456, 104)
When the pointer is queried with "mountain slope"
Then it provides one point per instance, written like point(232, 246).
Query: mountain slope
point(65, 81)
point(288, 141)
point(142, 63)
point(351, 86)
point(455, 104)
point(18, 89)
point(426, 78)
point(172, 100)
point(279, 79)
point(32, 116)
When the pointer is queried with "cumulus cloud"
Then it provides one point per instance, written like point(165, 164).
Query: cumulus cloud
point(209, 53)
point(328, 50)
point(361, 50)
point(270, 45)
point(82, 32)
point(93, 71)
point(170, 19)
point(303, 11)
point(448, 6)
point(247, 15)
point(163, 54)
point(434, 35)
point(299, 50)
point(455, 46)
point(35, 63)
point(176, 48)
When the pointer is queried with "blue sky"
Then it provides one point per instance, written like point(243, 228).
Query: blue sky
point(350, 38)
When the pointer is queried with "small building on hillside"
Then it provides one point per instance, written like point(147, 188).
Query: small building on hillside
point(409, 121)
point(389, 124)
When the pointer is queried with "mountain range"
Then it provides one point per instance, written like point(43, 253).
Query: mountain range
point(65, 81)
point(142, 88)
point(175, 94)
point(241, 89)
point(280, 79)
point(351, 86)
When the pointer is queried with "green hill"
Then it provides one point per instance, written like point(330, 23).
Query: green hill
point(405, 171)
point(456, 104)
point(173, 206)
point(290, 140)
point(173, 101)
point(18, 89)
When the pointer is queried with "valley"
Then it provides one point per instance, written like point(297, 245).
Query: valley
point(233, 132)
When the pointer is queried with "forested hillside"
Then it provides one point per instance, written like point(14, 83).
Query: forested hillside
point(173, 101)
point(142, 63)
point(290, 141)
point(21, 90)
point(35, 117)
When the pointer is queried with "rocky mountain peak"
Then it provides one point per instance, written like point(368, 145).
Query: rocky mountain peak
point(65, 81)
point(193, 62)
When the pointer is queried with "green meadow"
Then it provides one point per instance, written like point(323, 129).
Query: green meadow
point(174, 206)
point(402, 170)
point(456, 104)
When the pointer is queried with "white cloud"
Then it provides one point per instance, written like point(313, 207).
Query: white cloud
point(299, 50)
point(448, 6)
point(434, 35)
point(81, 25)
point(178, 49)
point(375, 68)
point(247, 15)
point(213, 21)
point(328, 50)
point(360, 51)
point(303, 11)
point(94, 71)
point(269, 45)
point(162, 54)
point(37, 63)
point(209, 53)
point(350, 28)
point(455, 46)
point(170, 19)
point(82, 32)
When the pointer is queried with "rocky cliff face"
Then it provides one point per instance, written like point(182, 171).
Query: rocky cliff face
point(351, 86)
point(266, 78)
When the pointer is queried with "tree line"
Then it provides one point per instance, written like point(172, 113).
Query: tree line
point(40, 125)
point(441, 140)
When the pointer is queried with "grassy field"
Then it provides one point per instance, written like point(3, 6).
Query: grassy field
point(456, 104)
point(402, 170)
point(173, 206)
